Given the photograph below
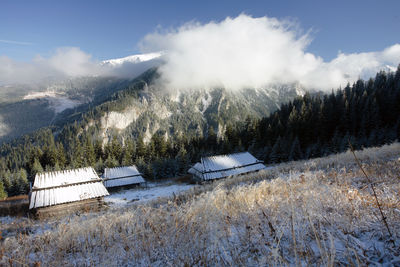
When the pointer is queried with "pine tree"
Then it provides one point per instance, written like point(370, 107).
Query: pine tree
point(295, 151)
point(211, 139)
point(61, 159)
point(36, 168)
point(111, 162)
point(90, 153)
point(99, 166)
point(3, 193)
point(78, 159)
point(116, 149)
point(182, 160)
point(98, 150)
point(49, 157)
point(23, 184)
point(276, 154)
point(6, 180)
point(128, 153)
point(149, 172)
point(141, 148)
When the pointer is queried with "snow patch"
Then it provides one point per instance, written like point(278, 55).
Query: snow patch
point(161, 111)
point(131, 59)
point(6, 220)
point(221, 130)
point(176, 97)
point(299, 90)
point(206, 100)
point(39, 95)
point(147, 135)
point(58, 101)
point(145, 194)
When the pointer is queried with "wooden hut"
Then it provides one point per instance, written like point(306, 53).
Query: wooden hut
point(118, 177)
point(216, 167)
point(61, 192)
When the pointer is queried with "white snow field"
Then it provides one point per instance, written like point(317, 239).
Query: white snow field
point(140, 195)
point(320, 212)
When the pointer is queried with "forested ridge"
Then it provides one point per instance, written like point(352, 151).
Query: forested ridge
point(366, 113)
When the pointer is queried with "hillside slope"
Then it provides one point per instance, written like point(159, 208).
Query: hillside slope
point(316, 212)
point(175, 113)
point(135, 107)
point(26, 109)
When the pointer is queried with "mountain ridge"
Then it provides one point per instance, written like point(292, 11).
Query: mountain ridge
point(68, 100)
point(137, 58)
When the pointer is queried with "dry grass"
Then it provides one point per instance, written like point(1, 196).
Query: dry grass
point(318, 212)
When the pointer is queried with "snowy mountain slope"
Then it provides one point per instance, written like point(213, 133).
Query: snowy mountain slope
point(147, 109)
point(131, 59)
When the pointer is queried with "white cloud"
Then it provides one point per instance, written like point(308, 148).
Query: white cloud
point(65, 62)
point(253, 52)
point(71, 61)
point(233, 53)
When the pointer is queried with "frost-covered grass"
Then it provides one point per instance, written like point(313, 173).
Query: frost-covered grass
point(317, 212)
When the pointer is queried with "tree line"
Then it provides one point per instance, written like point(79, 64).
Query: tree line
point(366, 113)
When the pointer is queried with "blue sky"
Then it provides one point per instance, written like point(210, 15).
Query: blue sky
point(111, 29)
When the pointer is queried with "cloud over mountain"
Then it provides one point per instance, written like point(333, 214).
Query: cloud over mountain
point(234, 53)
point(253, 52)
point(68, 62)
point(65, 62)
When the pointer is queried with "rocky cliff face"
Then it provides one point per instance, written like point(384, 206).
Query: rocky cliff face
point(174, 113)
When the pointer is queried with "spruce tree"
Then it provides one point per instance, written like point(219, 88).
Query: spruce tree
point(23, 184)
point(111, 162)
point(36, 168)
point(141, 148)
point(98, 150)
point(61, 158)
point(90, 153)
point(295, 151)
point(276, 154)
point(3, 193)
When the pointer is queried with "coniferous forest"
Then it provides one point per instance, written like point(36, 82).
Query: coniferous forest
point(366, 113)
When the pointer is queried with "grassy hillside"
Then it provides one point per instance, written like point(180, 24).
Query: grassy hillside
point(316, 212)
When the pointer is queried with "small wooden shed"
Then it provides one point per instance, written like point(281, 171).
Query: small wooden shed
point(126, 176)
point(216, 167)
point(62, 192)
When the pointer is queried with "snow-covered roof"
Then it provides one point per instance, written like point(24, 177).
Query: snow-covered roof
point(197, 169)
point(52, 188)
point(121, 176)
point(226, 165)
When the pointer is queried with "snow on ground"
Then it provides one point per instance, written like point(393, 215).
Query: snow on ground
point(153, 191)
point(206, 102)
point(131, 59)
point(58, 101)
point(6, 220)
point(38, 95)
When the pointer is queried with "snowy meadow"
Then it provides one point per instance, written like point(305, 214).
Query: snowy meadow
point(316, 212)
